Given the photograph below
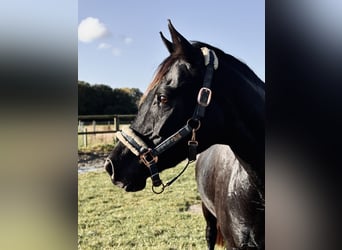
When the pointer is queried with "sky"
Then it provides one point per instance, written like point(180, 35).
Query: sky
point(119, 43)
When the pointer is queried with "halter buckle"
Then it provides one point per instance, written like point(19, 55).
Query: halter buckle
point(204, 97)
point(148, 158)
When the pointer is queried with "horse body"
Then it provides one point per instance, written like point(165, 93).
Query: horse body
point(234, 116)
point(232, 203)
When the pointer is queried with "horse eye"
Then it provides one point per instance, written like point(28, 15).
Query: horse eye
point(162, 99)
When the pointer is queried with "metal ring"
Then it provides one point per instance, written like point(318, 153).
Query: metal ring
point(194, 120)
point(158, 192)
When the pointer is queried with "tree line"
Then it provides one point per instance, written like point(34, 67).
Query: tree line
point(100, 99)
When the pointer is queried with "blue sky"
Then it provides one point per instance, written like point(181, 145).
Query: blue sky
point(119, 43)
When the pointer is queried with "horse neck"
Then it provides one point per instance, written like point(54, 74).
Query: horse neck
point(241, 98)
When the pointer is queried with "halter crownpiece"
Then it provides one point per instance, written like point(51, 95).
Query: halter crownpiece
point(205, 52)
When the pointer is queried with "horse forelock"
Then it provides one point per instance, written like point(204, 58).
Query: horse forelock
point(165, 66)
point(162, 70)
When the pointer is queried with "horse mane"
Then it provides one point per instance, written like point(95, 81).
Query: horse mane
point(233, 62)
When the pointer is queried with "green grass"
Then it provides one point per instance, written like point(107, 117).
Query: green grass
point(110, 218)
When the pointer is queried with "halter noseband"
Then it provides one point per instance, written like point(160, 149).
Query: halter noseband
point(149, 156)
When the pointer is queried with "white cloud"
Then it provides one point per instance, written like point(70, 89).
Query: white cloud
point(128, 40)
point(91, 29)
point(116, 51)
point(104, 46)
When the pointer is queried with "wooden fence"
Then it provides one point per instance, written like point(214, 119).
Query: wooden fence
point(91, 125)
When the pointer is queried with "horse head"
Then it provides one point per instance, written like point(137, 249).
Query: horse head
point(176, 108)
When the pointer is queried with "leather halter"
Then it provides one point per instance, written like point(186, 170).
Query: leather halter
point(149, 156)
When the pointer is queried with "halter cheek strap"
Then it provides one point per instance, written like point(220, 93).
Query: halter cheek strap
point(149, 156)
point(204, 94)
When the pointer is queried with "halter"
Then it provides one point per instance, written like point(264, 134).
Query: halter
point(149, 156)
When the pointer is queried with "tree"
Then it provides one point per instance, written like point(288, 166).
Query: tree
point(102, 99)
point(134, 93)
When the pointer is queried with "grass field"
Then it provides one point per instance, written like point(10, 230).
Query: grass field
point(110, 218)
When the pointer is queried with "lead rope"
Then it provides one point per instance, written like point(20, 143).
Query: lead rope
point(192, 157)
point(163, 186)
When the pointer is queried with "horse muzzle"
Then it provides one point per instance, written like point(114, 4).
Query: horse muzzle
point(109, 167)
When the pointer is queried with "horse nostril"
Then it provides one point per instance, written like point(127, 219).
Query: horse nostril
point(109, 167)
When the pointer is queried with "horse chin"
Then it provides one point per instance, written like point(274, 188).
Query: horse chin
point(134, 188)
point(130, 187)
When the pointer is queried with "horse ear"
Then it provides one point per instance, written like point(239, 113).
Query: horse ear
point(179, 42)
point(167, 43)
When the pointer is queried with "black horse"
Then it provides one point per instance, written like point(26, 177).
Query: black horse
point(199, 97)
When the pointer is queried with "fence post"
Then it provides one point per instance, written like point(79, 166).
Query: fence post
point(117, 125)
point(85, 137)
point(114, 121)
point(94, 126)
